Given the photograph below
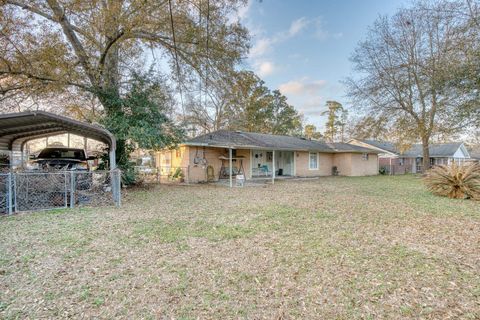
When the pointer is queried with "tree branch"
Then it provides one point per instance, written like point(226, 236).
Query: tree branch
point(43, 78)
point(73, 39)
point(110, 43)
point(45, 15)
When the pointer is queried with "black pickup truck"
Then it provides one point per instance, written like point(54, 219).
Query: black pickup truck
point(61, 159)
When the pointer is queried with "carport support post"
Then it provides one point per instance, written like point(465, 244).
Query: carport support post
point(230, 173)
point(118, 187)
point(113, 161)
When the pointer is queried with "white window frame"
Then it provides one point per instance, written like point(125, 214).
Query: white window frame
point(310, 160)
point(365, 156)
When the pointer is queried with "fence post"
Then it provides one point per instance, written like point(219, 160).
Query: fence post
point(9, 192)
point(65, 177)
point(72, 189)
point(14, 192)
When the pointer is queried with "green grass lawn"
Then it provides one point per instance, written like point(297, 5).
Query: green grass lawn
point(334, 248)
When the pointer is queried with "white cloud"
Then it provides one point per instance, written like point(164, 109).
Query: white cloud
point(321, 33)
point(297, 26)
point(265, 44)
point(303, 86)
point(261, 47)
point(265, 68)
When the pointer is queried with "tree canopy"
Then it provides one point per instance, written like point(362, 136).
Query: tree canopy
point(94, 45)
point(244, 102)
point(407, 65)
point(72, 48)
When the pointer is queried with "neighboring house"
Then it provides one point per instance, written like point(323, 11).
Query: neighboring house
point(474, 155)
point(396, 161)
point(257, 155)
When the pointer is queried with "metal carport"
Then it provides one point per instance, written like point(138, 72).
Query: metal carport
point(16, 129)
point(22, 190)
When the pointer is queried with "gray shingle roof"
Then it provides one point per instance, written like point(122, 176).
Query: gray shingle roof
point(436, 150)
point(240, 139)
point(384, 145)
point(475, 155)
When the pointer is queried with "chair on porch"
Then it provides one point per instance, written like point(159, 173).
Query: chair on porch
point(264, 170)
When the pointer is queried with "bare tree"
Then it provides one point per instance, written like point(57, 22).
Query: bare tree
point(405, 71)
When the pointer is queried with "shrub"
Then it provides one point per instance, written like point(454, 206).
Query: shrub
point(382, 170)
point(454, 181)
point(178, 174)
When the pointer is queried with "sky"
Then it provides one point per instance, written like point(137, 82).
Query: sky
point(303, 47)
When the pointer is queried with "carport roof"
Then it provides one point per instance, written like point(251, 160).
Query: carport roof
point(18, 128)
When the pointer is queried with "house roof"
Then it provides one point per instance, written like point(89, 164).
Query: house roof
point(384, 145)
point(253, 140)
point(415, 150)
point(474, 153)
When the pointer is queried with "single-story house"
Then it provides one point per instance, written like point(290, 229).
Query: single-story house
point(474, 152)
point(209, 157)
point(396, 161)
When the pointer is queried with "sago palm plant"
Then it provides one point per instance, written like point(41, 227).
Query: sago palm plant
point(455, 181)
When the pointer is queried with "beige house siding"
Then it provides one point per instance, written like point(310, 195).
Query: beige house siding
point(348, 164)
point(362, 167)
point(353, 164)
point(302, 164)
point(198, 172)
point(343, 162)
point(184, 157)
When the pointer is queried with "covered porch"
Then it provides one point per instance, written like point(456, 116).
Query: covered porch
point(272, 163)
point(264, 165)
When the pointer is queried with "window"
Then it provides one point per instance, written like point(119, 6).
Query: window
point(365, 156)
point(313, 161)
point(178, 153)
point(401, 161)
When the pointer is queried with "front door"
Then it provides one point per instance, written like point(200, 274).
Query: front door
point(284, 161)
point(288, 163)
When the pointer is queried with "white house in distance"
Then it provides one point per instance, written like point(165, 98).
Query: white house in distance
point(395, 161)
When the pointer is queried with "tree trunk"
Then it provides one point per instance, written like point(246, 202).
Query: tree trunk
point(426, 153)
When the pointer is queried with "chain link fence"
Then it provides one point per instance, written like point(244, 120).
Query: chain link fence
point(163, 174)
point(28, 191)
point(4, 192)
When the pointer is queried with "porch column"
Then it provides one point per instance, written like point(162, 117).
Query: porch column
point(273, 166)
point(230, 171)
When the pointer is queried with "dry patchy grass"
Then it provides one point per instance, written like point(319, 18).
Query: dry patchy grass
point(341, 248)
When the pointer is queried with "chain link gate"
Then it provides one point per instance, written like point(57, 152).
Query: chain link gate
point(28, 191)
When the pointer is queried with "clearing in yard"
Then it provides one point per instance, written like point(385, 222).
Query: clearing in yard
point(336, 247)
